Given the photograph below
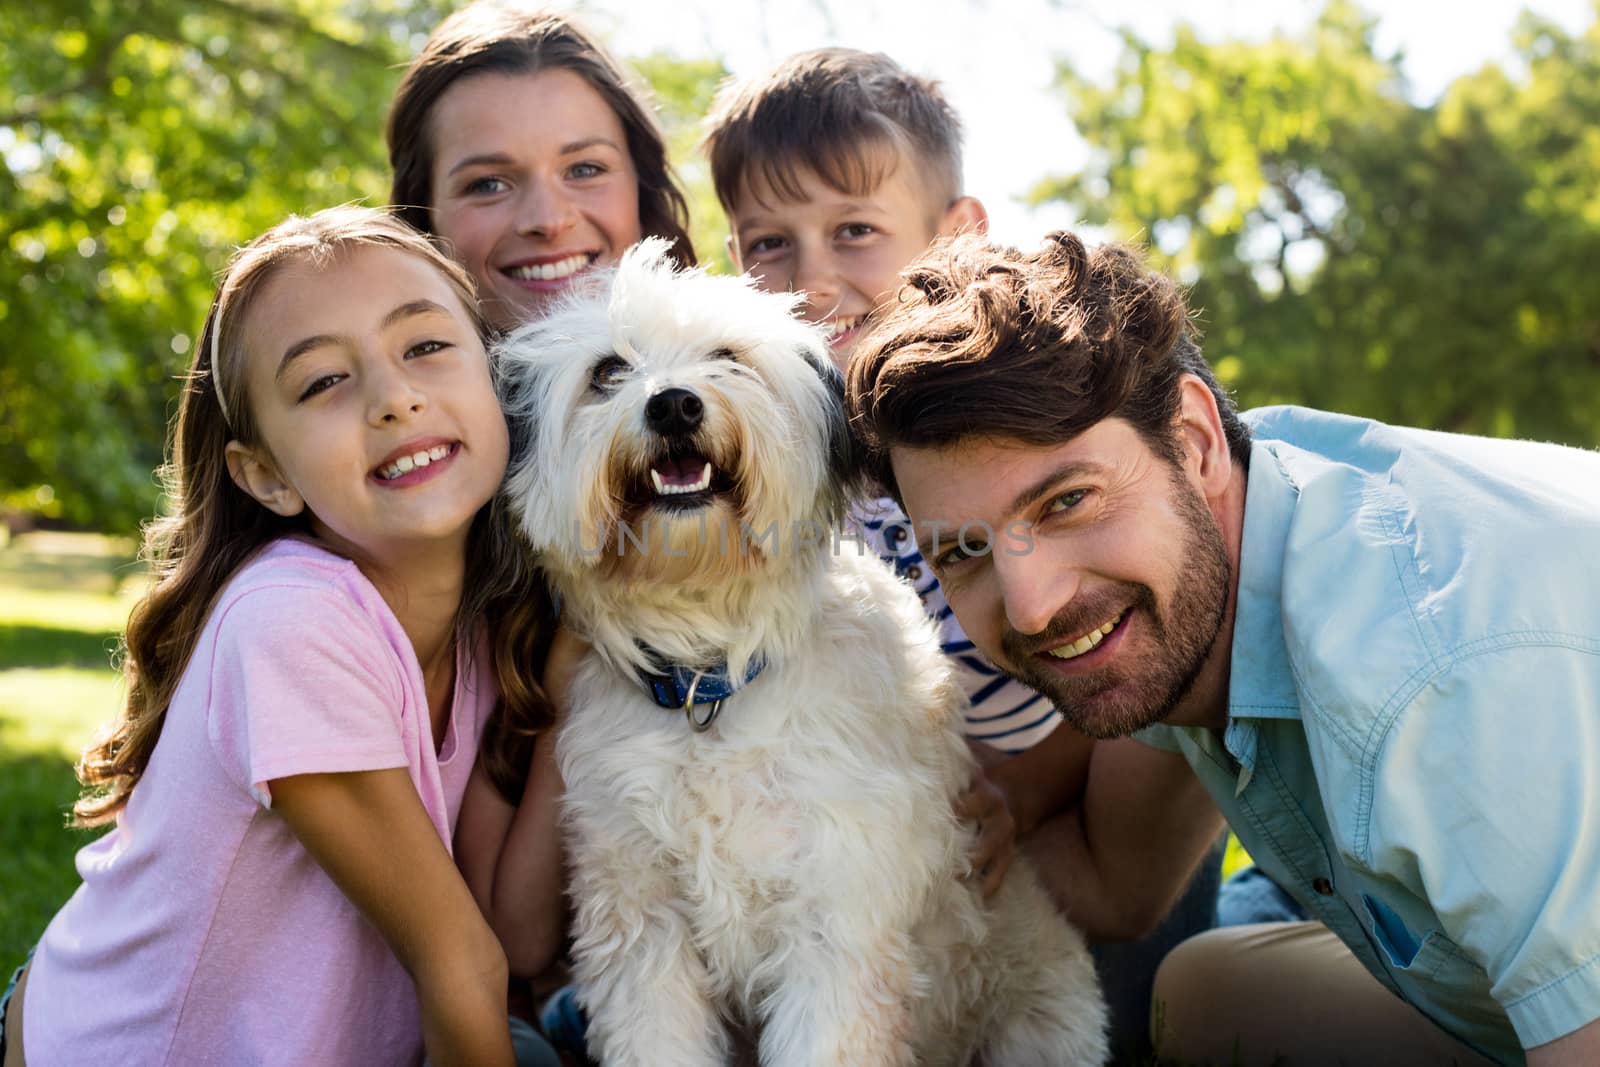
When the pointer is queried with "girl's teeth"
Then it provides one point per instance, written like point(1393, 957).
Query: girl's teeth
point(406, 464)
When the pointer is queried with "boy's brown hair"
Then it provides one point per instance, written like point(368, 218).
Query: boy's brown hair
point(987, 341)
point(850, 116)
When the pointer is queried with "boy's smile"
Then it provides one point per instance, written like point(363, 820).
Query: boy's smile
point(844, 251)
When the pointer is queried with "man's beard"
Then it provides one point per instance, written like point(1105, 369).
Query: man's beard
point(1116, 701)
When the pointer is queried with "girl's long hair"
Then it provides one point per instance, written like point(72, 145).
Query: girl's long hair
point(212, 528)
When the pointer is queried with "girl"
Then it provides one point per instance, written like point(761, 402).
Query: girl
point(518, 142)
point(308, 683)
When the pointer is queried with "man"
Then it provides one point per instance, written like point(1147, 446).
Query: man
point(1375, 649)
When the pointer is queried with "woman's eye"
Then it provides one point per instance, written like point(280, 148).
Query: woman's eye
point(585, 170)
point(486, 186)
point(426, 348)
point(607, 371)
point(318, 385)
point(1066, 501)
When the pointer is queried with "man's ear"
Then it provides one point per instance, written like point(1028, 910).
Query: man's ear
point(733, 254)
point(966, 214)
point(1207, 459)
point(253, 471)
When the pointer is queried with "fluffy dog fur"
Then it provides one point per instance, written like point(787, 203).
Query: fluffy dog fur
point(797, 867)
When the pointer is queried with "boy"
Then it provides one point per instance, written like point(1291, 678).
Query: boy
point(836, 170)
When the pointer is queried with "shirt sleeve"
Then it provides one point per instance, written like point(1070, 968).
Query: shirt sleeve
point(1488, 788)
point(303, 682)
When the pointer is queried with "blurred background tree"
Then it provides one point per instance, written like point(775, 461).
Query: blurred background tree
point(1348, 249)
point(139, 144)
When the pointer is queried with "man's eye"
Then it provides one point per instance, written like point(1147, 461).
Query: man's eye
point(958, 554)
point(607, 372)
point(1067, 501)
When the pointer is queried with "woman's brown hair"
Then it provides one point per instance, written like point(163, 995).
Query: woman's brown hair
point(213, 528)
point(492, 37)
point(986, 341)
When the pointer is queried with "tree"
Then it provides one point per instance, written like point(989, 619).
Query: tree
point(139, 144)
point(1346, 248)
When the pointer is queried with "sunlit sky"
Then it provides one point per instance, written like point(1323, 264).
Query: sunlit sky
point(997, 59)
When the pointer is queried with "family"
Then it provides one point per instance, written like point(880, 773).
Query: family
point(335, 796)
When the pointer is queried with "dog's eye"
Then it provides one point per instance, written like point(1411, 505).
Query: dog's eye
point(724, 353)
point(607, 371)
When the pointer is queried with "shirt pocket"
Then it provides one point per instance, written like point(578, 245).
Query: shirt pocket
point(1440, 980)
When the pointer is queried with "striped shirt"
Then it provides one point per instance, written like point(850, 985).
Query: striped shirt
point(1004, 712)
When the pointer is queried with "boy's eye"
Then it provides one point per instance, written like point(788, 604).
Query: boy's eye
point(426, 348)
point(607, 371)
point(856, 229)
point(1066, 501)
point(763, 246)
point(318, 385)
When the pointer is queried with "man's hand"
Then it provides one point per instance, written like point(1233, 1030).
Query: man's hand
point(984, 804)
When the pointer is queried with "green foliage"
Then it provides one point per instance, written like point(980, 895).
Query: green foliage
point(1431, 265)
point(140, 144)
point(683, 92)
point(63, 598)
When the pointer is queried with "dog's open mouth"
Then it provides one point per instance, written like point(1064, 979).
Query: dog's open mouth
point(681, 480)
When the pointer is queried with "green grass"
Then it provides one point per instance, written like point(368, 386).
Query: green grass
point(63, 600)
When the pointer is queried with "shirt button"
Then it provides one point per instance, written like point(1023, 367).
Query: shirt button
point(1323, 887)
point(914, 573)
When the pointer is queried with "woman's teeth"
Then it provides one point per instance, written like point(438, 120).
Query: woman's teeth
point(405, 464)
point(1086, 642)
point(549, 272)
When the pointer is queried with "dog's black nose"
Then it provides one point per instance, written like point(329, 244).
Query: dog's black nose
point(673, 411)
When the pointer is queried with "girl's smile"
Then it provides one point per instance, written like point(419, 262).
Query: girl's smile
point(376, 413)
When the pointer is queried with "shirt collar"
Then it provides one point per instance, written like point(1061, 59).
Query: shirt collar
point(1261, 678)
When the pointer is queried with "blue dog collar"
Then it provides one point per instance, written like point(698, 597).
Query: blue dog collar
point(688, 688)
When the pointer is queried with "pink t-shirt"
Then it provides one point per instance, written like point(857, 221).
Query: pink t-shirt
point(204, 932)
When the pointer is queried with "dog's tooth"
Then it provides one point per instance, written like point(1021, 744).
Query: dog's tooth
point(655, 477)
point(705, 477)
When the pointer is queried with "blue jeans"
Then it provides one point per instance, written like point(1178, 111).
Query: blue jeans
point(1252, 897)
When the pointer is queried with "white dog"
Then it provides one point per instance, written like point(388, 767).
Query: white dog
point(762, 751)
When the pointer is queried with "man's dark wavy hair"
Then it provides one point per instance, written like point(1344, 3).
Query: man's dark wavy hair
point(984, 340)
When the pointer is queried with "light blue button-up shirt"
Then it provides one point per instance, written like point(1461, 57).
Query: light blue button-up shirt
point(1413, 739)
